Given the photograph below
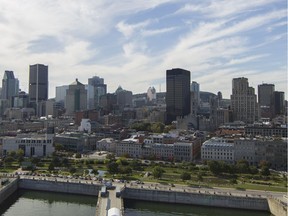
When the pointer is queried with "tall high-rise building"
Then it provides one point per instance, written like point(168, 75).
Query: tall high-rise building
point(278, 103)
point(61, 93)
point(124, 98)
point(177, 93)
point(38, 84)
point(265, 92)
point(10, 87)
point(243, 101)
point(195, 97)
point(76, 98)
point(96, 88)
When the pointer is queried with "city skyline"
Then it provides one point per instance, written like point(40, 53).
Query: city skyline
point(215, 40)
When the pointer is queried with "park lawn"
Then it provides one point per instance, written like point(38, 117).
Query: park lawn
point(260, 187)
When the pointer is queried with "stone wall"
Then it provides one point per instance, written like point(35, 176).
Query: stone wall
point(61, 187)
point(225, 201)
point(8, 189)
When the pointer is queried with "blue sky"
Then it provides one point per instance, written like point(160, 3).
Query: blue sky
point(132, 43)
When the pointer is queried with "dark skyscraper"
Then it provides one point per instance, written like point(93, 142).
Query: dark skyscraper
point(278, 103)
point(10, 87)
point(265, 92)
point(38, 84)
point(177, 93)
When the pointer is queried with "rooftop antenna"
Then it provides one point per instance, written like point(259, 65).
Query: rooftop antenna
point(160, 87)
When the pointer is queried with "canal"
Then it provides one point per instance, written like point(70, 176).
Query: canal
point(27, 203)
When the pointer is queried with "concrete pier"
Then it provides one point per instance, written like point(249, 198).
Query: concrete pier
point(111, 200)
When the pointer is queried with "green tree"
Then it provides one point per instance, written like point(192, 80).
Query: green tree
point(265, 171)
point(136, 165)
point(125, 170)
point(78, 155)
point(19, 153)
point(110, 156)
point(12, 154)
point(214, 167)
point(9, 159)
point(157, 172)
point(242, 166)
point(112, 167)
point(59, 147)
point(72, 170)
point(185, 176)
point(51, 167)
point(157, 127)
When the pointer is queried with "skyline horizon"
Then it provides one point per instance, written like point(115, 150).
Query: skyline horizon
point(191, 80)
point(138, 41)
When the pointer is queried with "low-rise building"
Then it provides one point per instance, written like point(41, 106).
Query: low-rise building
point(254, 150)
point(262, 130)
point(106, 144)
point(40, 145)
point(77, 142)
point(218, 149)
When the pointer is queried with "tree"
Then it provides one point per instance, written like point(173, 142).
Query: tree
point(78, 155)
point(72, 170)
point(265, 171)
point(59, 147)
point(214, 167)
point(185, 176)
point(157, 172)
point(136, 165)
point(19, 153)
point(157, 127)
point(110, 156)
point(112, 167)
point(242, 166)
point(51, 167)
point(12, 154)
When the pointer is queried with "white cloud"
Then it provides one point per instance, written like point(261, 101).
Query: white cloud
point(157, 31)
point(128, 30)
point(225, 8)
point(212, 46)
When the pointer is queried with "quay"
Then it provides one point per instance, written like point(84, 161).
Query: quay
point(112, 199)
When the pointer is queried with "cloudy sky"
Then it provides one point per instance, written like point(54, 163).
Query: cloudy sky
point(133, 42)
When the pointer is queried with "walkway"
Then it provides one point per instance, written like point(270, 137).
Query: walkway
point(109, 201)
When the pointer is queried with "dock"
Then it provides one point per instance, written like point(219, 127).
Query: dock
point(111, 199)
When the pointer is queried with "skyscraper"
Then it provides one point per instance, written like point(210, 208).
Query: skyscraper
point(10, 87)
point(265, 92)
point(278, 103)
point(195, 97)
point(177, 93)
point(76, 98)
point(243, 101)
point(38, 84)
point(96, 88)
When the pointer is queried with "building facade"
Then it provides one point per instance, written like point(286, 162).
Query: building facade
point(219, 150)
point(38, 84)
point(177, 93)
point(76, 98)
point(31, 144)
point(10, 87)
point(243, 101)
